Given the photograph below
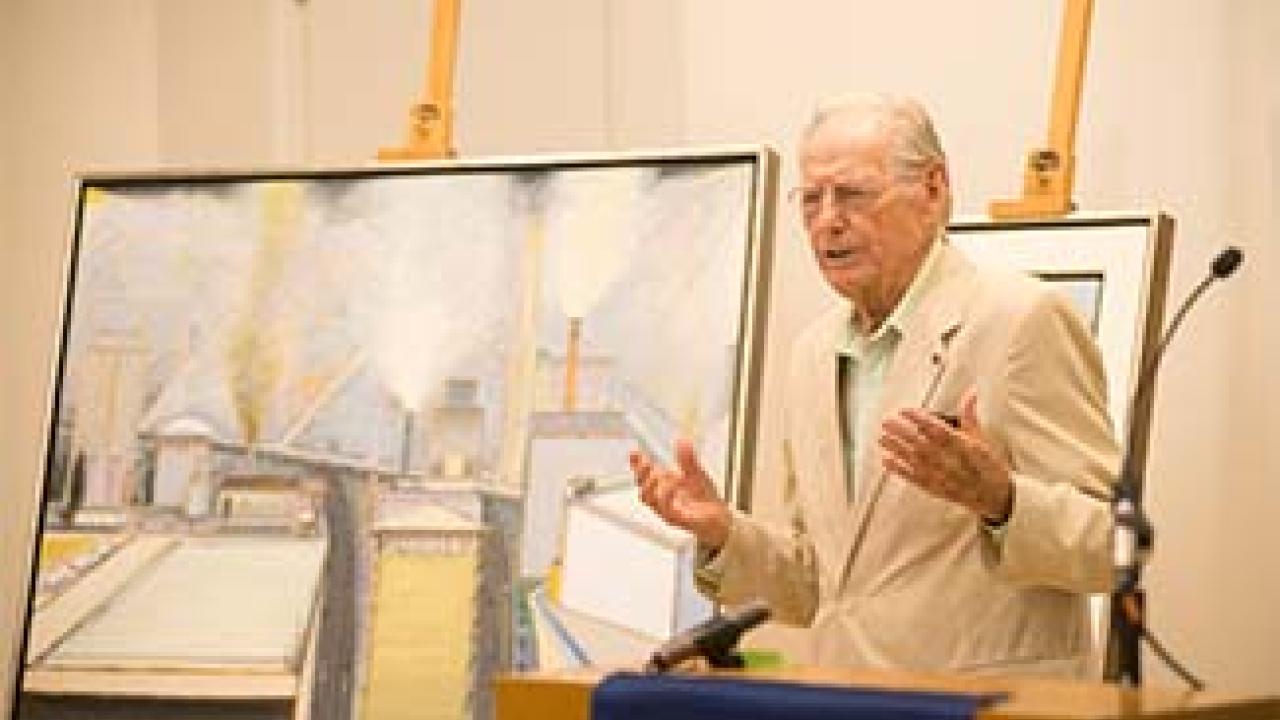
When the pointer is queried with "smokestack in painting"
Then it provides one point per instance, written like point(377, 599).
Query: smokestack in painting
point(573, 353)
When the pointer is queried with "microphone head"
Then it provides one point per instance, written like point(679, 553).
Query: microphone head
point(752, 614)
point(1227, 261)
point(713, 639)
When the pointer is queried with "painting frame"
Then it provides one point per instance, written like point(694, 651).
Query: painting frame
point(743, 395)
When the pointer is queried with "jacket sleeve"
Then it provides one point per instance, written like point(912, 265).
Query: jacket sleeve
point(759, 560)
point(1051, 417)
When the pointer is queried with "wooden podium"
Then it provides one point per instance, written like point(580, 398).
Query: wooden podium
point(566, 695)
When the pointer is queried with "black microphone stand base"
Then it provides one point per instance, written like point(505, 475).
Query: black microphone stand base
point(725, 660)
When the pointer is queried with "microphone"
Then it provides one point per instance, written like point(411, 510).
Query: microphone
point(1227, 262)
point(712, 639)
point(1133, 533)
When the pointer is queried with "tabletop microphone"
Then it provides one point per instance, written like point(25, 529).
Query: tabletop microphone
point(713, 639)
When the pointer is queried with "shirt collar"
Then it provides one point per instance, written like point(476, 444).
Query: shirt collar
point(856, 342)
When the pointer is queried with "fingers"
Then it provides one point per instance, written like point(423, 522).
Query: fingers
point(687, 459)
point(642, 469)
point(931, 427)
point(942, 461)
point(658, 486)
point(914, 451)
point(664, 495)
point(640, 464)
point(683, 496)
point(969, 411)
point(647, 477)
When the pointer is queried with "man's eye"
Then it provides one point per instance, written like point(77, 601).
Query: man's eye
point(845, 194)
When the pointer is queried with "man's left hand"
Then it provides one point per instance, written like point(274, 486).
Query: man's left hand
point(958, 464)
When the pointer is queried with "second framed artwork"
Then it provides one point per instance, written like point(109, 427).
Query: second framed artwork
point(1113, 268)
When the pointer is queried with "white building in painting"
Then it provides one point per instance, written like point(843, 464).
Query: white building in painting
point(108, 408)
point(184, 460)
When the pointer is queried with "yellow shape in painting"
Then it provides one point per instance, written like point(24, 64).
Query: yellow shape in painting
point(256, 348)
point(56, 549)
point(420, 653)
point(555, 580)
point(95, 196)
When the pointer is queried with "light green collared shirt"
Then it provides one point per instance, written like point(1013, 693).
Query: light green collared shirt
point(863, 361)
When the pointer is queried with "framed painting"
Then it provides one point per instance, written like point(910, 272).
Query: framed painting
point(316, 435)
point(1114, 270)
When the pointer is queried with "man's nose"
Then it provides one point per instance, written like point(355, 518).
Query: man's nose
point(828, 212)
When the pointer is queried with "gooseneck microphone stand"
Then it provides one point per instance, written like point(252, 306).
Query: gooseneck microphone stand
point(1133, 534)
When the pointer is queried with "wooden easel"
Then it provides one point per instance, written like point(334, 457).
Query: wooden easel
point(1050, 171)
point(431, 121)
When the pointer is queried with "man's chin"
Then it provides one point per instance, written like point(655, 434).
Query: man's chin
point(847, 283)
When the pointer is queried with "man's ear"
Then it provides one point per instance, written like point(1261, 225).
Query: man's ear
point(937, 189)
point(937, 182)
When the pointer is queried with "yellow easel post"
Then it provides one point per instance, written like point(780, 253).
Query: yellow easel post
point(1050, 171)
point(431, 121)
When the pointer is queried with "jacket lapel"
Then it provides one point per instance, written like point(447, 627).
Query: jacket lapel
point(829, 406)
point(919, 364)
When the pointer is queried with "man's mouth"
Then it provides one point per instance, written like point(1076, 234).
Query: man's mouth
point(838, 256)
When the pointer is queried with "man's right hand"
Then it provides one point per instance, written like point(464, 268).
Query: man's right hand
point(685, 496)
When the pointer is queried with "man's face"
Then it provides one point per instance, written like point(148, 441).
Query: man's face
point(869, 227)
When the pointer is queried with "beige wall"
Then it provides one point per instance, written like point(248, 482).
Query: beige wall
point(1181, 109)
point(1242, 624)
point(7, 75)
point(364, 63)
point(214, 73)
point(12, 536)
point(539, 67)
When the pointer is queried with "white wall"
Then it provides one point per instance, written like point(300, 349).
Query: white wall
point(1181, 108)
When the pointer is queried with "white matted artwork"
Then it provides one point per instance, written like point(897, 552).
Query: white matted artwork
point(610, 534)
point(1113, 268)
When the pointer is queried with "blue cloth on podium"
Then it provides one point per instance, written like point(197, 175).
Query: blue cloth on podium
point(630, 696)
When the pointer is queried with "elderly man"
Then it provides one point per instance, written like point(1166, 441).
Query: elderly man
point(948, 450)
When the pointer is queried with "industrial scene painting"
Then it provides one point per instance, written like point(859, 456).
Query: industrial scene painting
point(345, 444)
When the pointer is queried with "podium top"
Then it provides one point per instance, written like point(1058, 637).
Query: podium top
point(567, 695)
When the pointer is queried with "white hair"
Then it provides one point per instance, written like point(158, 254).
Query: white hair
point(913, 143)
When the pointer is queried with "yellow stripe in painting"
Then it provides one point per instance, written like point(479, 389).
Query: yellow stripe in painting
point(57, 548)
point(420, 648)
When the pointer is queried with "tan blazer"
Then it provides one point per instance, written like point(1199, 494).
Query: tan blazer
point(897, 578)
